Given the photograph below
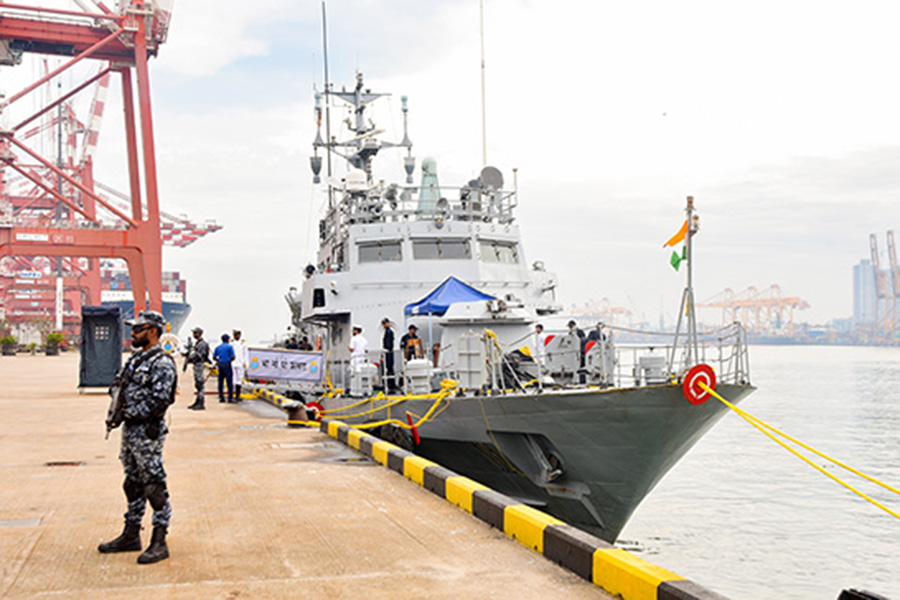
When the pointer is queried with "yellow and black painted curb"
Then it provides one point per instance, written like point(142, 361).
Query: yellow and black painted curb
point(615, 570)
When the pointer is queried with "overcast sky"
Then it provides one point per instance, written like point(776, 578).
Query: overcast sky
point(779, 117)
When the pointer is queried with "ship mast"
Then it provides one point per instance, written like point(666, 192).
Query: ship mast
point(483, 105)
point(327, 102)
point(687, 313)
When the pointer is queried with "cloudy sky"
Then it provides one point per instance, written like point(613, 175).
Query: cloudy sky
point(779, 117)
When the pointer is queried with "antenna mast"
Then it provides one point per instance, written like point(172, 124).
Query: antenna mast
point(327, 104)
point(483, 109)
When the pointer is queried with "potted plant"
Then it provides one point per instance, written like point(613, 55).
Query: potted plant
point(32, 348)
point(54, 339)
point(8, 345)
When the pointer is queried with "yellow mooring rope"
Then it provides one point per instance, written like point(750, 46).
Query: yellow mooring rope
point(448, 387)
point(769, 430)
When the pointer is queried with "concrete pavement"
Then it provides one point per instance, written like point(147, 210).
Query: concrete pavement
point(259, 510)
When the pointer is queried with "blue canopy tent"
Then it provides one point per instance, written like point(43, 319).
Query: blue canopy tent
point(451, 291)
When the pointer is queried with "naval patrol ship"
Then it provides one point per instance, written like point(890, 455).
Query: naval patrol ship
point(580, 428)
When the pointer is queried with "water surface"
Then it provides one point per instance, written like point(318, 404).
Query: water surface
point(749, 520)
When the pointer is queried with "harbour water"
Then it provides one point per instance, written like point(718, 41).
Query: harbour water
point(749, 520)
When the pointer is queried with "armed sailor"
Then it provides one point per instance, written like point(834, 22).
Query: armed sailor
point(142, 392)
point(198, 356)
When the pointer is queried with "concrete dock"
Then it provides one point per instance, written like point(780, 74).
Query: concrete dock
point(260, 510)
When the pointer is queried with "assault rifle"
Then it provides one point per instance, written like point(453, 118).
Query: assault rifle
point(115, 414)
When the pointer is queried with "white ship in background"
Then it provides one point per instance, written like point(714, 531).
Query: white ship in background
point(116, 291)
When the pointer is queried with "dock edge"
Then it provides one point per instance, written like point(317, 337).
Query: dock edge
point(617, 571)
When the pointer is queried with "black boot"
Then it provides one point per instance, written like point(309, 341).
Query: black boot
point(157, 550)
point(237, 393)
point(129, 541)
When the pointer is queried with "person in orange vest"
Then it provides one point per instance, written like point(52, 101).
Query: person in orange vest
point(411, 344)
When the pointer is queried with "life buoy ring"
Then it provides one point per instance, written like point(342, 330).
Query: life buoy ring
point(691, 384)
point(318, 343)
point(170, 344)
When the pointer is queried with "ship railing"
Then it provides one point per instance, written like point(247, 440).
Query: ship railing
point(616, 358)
point(438, 204)
point(641, 355)
point(609, 357)
point(341, 373)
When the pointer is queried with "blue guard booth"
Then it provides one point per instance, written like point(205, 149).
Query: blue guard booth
point(101, 345)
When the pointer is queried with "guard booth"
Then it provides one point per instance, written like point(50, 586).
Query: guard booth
point(101, 345)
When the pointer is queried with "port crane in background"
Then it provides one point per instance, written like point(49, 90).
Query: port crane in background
point(886, 327)
point(759, 312)
point(26, 289)
point(86, 224)
point(590, 313)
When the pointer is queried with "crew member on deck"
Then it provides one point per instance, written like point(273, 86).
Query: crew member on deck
point(411, 344)
point(540, 341)
point(359, 347)
point(597, 334)
point(387, 346)
point(582, 339)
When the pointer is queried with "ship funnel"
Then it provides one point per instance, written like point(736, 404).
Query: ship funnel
point(315, 163)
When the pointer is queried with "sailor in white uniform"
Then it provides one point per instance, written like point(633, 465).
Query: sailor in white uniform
point(239, 366)
point(359, 347)
point(540, 342)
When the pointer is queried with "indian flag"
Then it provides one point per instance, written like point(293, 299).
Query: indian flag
point(678, 237)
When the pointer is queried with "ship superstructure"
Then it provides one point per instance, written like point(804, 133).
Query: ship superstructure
point(387, 244)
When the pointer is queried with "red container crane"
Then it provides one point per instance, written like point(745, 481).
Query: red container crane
point(95, 227)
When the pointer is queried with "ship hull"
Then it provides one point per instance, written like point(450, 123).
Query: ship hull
point(588, 457)
point(175, 313)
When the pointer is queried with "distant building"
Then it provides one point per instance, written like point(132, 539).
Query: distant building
point(864, 297)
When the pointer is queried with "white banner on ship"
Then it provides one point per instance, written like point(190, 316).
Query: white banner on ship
point(278, 363)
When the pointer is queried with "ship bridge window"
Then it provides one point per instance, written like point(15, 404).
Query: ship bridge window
point(501, 252)
point(375, 252)
point(441, 249)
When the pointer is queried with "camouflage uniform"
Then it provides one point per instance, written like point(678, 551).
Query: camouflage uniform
point(152, 381)
point(198, 357)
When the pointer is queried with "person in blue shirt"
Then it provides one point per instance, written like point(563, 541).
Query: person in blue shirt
point(224, 356)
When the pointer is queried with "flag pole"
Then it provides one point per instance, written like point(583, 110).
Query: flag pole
point(693, 355)
point(686, 310)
